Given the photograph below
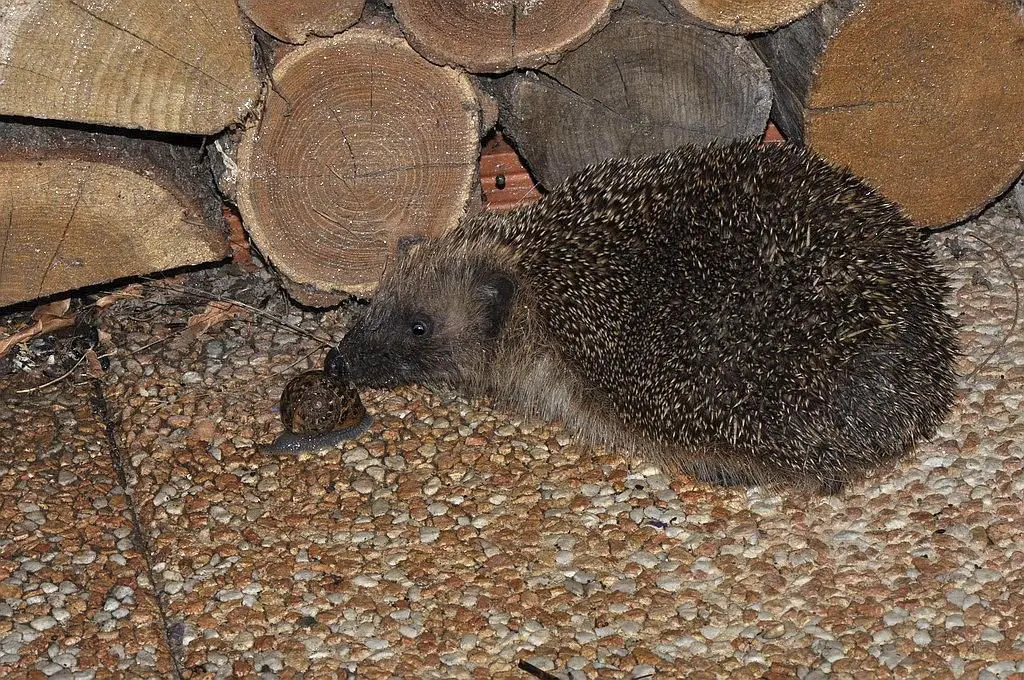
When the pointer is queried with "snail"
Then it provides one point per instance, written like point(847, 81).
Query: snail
point(319, 410)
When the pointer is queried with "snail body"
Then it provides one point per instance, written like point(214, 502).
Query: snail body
point(319, 411)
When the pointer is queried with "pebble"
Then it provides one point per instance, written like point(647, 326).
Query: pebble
point(669, 583)
point(363, 485)
point(214, 349)
point(42, 623)
point(992, 635)
point(50, 669)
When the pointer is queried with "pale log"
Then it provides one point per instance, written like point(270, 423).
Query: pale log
point(642, 85)
point(149, 64)
point(82, 208)
point(748, 16)
point(922, 99)
point(499, 35)
point(362, 142)
point(293, 21)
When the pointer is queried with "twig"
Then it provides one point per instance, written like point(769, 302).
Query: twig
point(538, 673)
point(56, 380)
point(195, 292)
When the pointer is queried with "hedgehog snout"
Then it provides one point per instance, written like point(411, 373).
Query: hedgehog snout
point(364, 362)
point(336, 364)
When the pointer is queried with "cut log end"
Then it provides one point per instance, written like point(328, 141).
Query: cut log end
point(748, 16)
point(293, 21)
point(906, 94)
point(944, 138)
point(499, 35)
point(361, 143)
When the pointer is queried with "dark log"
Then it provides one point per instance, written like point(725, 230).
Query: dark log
point(640, 86)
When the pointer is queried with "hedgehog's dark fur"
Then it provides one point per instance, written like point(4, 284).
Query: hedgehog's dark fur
point(743, 314)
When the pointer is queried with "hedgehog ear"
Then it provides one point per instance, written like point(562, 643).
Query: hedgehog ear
point(494, 291)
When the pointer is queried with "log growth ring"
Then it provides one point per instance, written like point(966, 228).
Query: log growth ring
point(362, 142)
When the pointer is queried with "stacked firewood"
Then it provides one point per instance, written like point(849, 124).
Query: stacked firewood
point(335, 129)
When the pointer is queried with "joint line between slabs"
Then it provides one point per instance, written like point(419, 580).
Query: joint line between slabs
point(102, 408)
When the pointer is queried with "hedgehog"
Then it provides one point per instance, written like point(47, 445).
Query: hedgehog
point(743, 314)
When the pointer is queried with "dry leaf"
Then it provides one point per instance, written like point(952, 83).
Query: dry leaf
point(133, 291)
point(57, 309)
point(216, 312)
point(95, 368)
point(241, 255)
point(48, 318)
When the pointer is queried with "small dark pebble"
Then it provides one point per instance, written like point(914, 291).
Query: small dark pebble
point(176, 633)
point(214, 349)
point(306, 622)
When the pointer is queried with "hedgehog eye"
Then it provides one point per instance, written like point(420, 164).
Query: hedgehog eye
point(419, 327)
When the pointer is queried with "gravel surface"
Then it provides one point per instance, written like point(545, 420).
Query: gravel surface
point(75, 594)
point(452, 540)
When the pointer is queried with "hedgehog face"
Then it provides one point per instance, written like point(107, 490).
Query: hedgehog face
point(393, 344)
point(432, 315)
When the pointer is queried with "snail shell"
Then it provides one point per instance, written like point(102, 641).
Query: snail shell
point(319, 410)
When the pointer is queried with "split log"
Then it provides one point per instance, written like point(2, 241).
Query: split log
point(922, 99)
point(748, 16)
point(293, 21)
point(144, 64)
point(642, 85)
point(80, 208)
point(497, 36)
point(362, 142)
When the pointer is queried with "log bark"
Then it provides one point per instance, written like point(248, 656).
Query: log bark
point(81, 208)
point(362, 142)
point(144, 64)
point(748, 16)
point(922, 99)
point(499, 35)
point(642, 85)
point(293, 21)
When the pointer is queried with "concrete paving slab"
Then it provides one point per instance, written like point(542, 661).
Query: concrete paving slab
point(75, 595)
point(454, 539)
